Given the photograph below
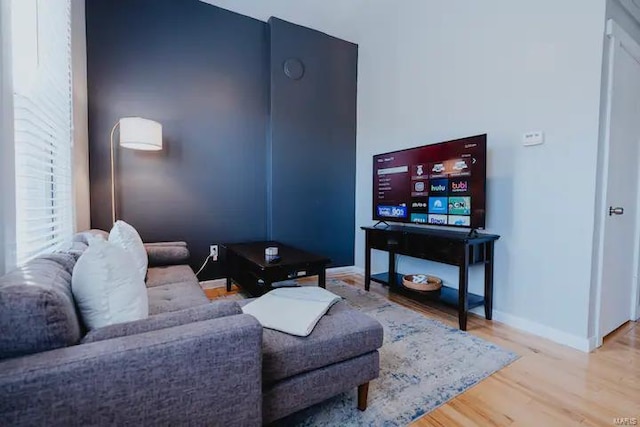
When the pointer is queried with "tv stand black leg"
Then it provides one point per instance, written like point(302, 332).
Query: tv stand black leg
point(392, 269)
point(367, 264)
point(488, 281)
point(463, 306)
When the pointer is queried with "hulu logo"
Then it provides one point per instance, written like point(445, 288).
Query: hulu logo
point(438, 188)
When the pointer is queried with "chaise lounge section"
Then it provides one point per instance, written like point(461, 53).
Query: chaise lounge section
point(189, 362)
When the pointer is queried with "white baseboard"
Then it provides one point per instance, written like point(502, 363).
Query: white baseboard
point(535, 328)
point(220, 283)
point(352, 269)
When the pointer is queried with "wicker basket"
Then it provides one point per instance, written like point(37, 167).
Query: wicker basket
point(422, 282)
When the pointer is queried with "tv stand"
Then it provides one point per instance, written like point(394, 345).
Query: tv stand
point(449, 247)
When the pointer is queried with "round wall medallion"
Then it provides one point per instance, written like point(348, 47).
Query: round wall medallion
point(294, 68)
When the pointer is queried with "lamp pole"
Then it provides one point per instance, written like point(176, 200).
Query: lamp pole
point(113, 175)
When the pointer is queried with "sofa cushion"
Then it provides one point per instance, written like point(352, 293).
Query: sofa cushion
point(200, 313)
point(341, 334)
point(175, 296)
point(159, 276)
point(37, 311)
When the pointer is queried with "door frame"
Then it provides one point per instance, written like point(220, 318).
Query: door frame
point(618, 38)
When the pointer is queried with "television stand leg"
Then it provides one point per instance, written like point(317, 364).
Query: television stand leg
point(473, 233)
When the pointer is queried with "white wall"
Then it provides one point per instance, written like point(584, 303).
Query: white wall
point(439, 70)
point(436, 70)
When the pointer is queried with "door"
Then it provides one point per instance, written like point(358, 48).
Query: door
point(619, 239)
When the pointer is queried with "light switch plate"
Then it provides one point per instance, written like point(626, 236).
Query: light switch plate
point(533, 138)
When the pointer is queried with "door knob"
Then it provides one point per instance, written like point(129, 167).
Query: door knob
point(615, 211)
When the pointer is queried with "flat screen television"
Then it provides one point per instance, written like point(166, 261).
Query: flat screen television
point(439, 184)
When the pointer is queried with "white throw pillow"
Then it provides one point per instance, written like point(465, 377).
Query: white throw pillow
point(125, 236)
point(107, 286)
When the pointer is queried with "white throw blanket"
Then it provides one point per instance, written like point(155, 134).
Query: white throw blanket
point(294, 311)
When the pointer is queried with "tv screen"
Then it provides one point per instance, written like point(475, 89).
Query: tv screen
point(439, 184)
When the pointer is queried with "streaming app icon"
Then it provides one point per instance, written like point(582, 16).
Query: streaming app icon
point(459, 186)
point(437, 205)
point(419, 205)
point(392, 211)
point(438, 168)
point(418, 217)
point(439, 186)
point(460, 205)
point(419, 172)
point(438, 219)
point(460, 165)
point(418, 188)
point(460, 220)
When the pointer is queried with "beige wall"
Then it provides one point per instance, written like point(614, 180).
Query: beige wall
point(80, 131)
point(7, 211)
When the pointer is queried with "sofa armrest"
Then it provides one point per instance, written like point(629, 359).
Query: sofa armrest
point(167, 253)
point(204, 373)
point(199, 313)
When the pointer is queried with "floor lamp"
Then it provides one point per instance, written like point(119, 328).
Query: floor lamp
point(136, 133)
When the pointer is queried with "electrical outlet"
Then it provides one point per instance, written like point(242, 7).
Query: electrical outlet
point(213, 252)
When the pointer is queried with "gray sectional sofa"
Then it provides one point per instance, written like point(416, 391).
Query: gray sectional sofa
point(190, 362)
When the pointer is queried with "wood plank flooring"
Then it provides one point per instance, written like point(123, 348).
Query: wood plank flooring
point(550, 385)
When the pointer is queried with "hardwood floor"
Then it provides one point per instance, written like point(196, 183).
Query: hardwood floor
point(550, 385)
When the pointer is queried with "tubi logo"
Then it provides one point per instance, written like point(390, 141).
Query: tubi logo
point(459, 185)
point(439, 186)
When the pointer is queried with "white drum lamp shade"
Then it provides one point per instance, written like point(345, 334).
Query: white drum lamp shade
point(140, 134)
point(136, 133)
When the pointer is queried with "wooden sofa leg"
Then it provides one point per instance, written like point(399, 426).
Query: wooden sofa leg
point(363, 391)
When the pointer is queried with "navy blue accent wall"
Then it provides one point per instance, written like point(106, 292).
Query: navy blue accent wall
point(201, 71)
point(313, 142)
point(249, 154)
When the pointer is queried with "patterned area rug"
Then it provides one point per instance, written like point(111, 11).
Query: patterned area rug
point(423, 364)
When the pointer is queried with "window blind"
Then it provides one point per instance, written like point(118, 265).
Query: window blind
point(41, 66)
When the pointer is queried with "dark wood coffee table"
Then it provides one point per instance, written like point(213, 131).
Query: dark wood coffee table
point(247, 266)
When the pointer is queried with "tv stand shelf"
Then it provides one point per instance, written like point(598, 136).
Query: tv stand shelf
point(449, 247)
point(448, 296)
